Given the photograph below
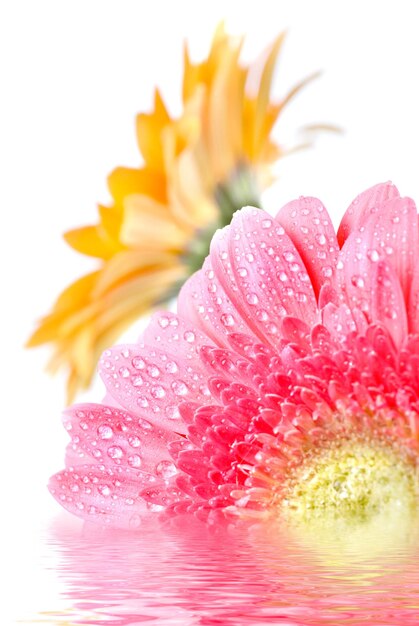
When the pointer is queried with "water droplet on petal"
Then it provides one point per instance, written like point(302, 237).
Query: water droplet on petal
point(227, 320)
point(105, 431)
point(134, 441)
point(252, 298)
point(166, 469)
point(157, 392)
point(163, 322)
point(115, 452)
point(138, 363)
point(358, 281)
point(373, 255)
point(179, 388)
point(134, 460)
point(124, 372)
point(172, 412)
point(153, 371)
point(189, 336)
point(171, 367)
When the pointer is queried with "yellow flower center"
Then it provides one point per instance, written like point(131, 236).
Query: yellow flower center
point(352, 482)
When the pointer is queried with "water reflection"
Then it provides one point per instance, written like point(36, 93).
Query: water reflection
point(188, 576)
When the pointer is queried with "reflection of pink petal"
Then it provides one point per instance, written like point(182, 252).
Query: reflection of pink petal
point(283, 345)
point(184, 575)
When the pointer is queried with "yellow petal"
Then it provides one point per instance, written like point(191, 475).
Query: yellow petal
point(148, 224)
point(124, 181)
point(264, 89)
point(92, 241)
point(149, 129)
point(128, 264)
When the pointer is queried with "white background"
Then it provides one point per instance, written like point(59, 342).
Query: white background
point(73, 76)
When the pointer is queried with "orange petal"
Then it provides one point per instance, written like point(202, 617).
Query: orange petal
point(124, 181)
point(149, 130)
point(92, 241)
point(148, 224)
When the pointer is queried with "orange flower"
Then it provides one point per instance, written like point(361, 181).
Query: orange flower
point(197, 170)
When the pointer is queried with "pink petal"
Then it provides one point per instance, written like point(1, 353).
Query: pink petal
point(204, 302)
point(152, 383)
point(387, 303)
point(310, 228)
point(413, 301)
point(390, 235)
point(116, 437)
point(262, 273)
point(364, 205)
point(341, 321)
point(177, 335)
point(104, 495)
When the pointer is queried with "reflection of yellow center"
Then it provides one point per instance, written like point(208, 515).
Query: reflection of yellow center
point(353, 481)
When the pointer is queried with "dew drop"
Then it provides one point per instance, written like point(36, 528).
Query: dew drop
point(124, 372)
point(158, 392)
point(262, 315)
point(227, 320)
point(358, 281)
point(252, 298)
point(172, 412)
point(166, 469)
point(321, 239)
point(189, 336)
point(153, 371)
point(289, 256)
point(134, 460)
point(105, 431)
point(163, 321)
point(179, 388)
point(373, 255)
point(138, 363)
point(134, 441)
point(115, 452)
point(171, 367)
point(266, 223)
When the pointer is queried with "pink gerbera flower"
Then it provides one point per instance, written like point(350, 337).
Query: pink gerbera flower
point(286, 386)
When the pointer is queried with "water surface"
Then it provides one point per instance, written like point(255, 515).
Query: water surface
point(187, 575)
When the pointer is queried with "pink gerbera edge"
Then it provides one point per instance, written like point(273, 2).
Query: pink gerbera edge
point(290, 342)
